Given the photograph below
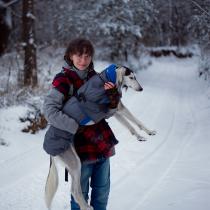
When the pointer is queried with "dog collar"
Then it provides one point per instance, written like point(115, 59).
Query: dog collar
point(111, 73)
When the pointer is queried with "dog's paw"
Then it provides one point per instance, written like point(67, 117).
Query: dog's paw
point(140, 138)
point(152, 133)
point(88, 208)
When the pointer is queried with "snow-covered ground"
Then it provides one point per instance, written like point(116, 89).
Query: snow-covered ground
point(169, 171)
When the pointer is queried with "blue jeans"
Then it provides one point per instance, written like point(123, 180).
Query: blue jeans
point(97, 175)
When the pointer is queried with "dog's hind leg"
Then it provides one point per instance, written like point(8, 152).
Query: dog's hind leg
point(126, 113)
point(73, 165)
point(124, 122)
point(51, 183)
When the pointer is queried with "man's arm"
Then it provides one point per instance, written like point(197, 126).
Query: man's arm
point(52, 109)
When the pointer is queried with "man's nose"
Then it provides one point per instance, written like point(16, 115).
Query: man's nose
point(83, 60)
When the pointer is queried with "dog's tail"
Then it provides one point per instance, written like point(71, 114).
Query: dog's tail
point(51, 183)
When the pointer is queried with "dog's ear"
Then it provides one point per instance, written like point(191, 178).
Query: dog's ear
point(127, 71)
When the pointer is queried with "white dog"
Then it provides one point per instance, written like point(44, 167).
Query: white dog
point(124, 78)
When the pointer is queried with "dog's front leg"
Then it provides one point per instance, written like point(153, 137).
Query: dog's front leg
point(73, 164)
point(124, 122)
point(126, 113)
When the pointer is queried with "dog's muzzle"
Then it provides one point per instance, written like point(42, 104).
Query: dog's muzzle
point(140, 89)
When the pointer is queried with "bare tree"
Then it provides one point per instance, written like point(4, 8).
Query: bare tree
point(28, 36)
point(5, 23)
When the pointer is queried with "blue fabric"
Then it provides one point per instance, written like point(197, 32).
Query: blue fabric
point(85, 121)
point(111, 73)
point(99, 173)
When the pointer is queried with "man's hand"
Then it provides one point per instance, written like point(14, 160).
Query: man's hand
point(108, 85)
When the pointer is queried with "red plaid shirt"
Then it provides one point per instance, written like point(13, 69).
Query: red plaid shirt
point(93, 142)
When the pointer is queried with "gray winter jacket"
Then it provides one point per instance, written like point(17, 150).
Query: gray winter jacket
point(91, 103)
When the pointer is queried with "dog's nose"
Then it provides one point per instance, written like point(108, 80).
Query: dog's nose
point(140, 89)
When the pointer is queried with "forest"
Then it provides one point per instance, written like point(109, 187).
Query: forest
point(119, 29)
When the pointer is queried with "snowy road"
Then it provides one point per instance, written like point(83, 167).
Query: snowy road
point(169, 171)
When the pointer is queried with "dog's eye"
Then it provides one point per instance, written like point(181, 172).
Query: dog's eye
point(131, 77)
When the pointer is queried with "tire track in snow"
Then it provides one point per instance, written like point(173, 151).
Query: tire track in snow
point(190, 131)
point(152, 102)
point(149, 157)
point(138, 170)
point(142, 161)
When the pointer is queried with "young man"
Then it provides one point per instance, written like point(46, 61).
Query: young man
point(93, 143)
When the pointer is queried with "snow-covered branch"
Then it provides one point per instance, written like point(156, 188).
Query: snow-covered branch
point(30, 15)
point(204, 11)
point(11, 2)
point(5, 5)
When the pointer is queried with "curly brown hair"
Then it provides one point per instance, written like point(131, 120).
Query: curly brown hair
point(79, 46)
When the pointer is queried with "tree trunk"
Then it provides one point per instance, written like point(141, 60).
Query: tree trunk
point(30, 65)
point(5, 25)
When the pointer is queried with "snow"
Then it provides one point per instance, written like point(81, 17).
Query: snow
point(168, 171)
point(30, 15)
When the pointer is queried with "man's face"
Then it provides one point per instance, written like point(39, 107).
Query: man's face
point(81, 61)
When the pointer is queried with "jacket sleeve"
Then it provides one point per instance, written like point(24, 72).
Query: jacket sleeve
point(110, 113)
point(52, 109)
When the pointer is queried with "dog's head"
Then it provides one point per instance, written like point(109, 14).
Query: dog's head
point(126, 79)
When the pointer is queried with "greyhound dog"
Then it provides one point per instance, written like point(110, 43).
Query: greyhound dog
point(125, 78)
